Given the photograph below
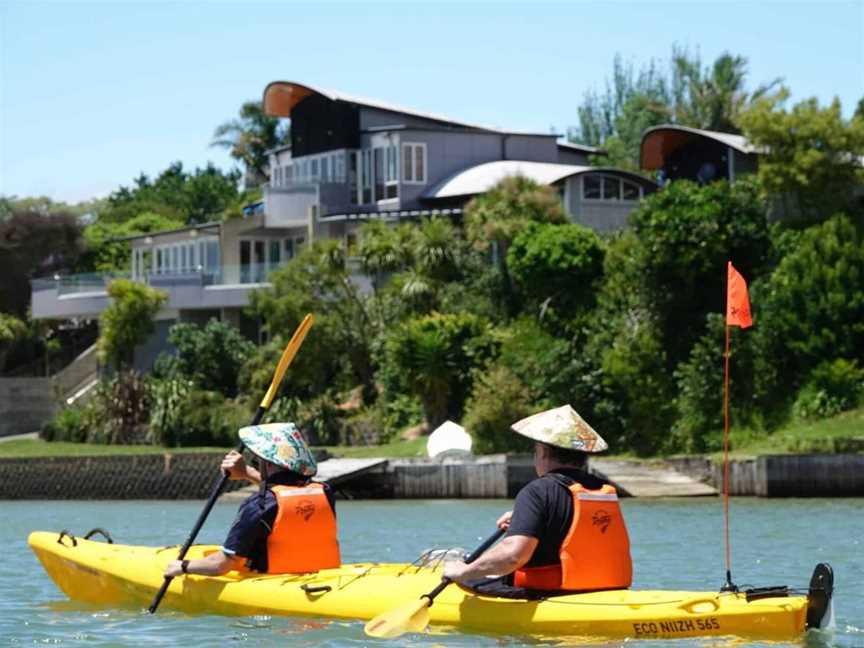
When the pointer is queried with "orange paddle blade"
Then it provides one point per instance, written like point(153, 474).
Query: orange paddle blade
point(411, 617)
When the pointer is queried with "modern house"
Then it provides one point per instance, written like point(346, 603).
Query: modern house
point(681, 152)
point(349, 160)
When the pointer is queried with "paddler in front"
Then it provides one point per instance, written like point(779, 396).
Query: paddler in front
point(289, 526)
point(566, 532)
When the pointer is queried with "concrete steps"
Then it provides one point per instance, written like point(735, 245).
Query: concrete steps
point(649, 479)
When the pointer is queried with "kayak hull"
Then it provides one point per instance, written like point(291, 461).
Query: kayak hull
point(113, 575)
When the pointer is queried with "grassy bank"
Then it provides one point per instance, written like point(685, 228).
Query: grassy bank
point(827, 435)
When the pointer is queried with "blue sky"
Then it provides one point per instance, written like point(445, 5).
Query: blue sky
point(91, 94)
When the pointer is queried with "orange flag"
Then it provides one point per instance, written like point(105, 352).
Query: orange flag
point(737, 300)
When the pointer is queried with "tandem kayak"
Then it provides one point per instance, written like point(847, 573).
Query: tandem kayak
point(115, 575)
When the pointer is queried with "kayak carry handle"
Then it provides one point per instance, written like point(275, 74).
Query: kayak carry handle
point(101, 532)
point(66, 533)
point(320, 589)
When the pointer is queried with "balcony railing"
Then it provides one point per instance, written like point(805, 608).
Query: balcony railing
point(96, 282)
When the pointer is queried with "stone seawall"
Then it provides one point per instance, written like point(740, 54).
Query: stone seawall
point(157, 476)
point(191, 476)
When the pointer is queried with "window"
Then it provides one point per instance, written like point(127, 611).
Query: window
point(339, 167)
point(591, 187)
point(313, 169)
point(352, 177)
point(414, 163)
point(325, 169)
point(275, 253)
point(392, 172)
point(289, 248)
point(288, 172)
point(245, 261)
point(611, 189)
point(366, 176)
point(379, 173)
point(631, 191)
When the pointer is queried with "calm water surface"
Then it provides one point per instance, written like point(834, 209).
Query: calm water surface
point(676, 545)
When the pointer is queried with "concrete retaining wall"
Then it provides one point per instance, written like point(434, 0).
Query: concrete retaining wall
point(828, 475)
point(25, 404)
point(158, 476)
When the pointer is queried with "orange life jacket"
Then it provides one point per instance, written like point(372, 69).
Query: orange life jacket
point(595, 554)
point(303, 538)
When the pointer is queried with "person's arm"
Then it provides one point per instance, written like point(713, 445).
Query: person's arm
point(504, 558)
point(235, 466)
point(215, 564)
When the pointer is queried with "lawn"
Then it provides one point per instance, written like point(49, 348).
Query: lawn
point(39, 448)
point(826, 435)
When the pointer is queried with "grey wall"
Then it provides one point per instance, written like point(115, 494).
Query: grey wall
point(599, 215)
point(25, 404)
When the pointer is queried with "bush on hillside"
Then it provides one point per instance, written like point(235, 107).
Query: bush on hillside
point(128, 320)
point(832, 387)
point(209, 356)
point(497, 400)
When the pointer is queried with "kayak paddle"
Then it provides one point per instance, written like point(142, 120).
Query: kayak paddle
point(414, 616)
point(287, 356)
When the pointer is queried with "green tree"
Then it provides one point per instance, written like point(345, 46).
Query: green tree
point(11, 330)
point(685, 235)
point(810, 310)
point(105, 249)
point(128, 320)
point(319, 281)
point(249, 137)
point(498, 399)
point(435, 355)
point(557, 266)
point(209, 356)
point(686, 93)
point(200, 196)
point(493, 219)
point(812, 159)
point(33, 244)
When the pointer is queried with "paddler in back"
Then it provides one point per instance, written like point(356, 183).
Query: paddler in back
point(566, 532)
point(289, 526)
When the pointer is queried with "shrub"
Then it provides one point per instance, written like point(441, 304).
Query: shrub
point(210, 356)
point(435, 355)
point(128, 320)
point(122, 409)
point(498, 400)
point(205, 418)
point(69, 424)
point(833, 387)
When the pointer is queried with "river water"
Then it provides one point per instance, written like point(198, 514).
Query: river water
point(677, 544)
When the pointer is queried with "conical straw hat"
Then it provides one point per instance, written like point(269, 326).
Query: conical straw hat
point(561, 427)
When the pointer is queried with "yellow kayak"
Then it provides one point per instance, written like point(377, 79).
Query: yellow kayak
point(118, 575)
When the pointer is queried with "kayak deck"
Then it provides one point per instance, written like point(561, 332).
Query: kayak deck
point(125, 575)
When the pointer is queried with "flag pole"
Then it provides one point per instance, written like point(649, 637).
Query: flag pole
point(729, 586)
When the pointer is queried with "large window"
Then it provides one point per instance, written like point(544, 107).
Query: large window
point(600, 187)
point(391, 179)
point(366, 176)
point(414, 163)
point(379, 173)
point(353, 168)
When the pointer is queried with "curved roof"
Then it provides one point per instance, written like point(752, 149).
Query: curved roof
point(660, 141)
point(482, 177)
point(280, 97)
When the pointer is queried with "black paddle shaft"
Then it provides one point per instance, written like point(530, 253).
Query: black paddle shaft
point(474, 555)
point(214, 495)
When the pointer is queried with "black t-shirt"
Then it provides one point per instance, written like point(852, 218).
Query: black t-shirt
point(248, 535)
point(544, 510)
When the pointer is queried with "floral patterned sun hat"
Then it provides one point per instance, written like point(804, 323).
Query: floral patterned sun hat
point(561, 427)
point(281, 444)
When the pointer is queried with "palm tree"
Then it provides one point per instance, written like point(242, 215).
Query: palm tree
point(715, 97)
point(250, 137)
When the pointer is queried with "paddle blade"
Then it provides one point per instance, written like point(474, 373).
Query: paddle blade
point(411, 617)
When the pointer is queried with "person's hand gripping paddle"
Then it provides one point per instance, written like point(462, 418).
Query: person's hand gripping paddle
point(287, 356)
point(414, 616)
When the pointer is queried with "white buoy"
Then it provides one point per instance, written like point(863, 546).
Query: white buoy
point(449, 440)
